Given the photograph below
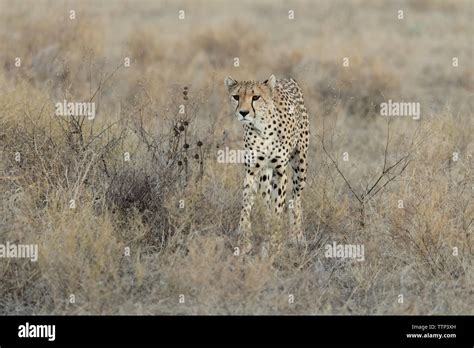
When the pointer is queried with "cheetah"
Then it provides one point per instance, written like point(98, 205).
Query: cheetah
point(276, 134)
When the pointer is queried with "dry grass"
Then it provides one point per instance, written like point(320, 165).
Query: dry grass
point(175, 208)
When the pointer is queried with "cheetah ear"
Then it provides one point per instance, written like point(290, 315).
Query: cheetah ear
point(230, 83)
point(271, 82)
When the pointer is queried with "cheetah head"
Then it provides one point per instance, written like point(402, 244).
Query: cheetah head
point(250, 100)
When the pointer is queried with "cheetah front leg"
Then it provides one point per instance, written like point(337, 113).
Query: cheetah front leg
point(265, 187)
point(278, 197)
point(249, 192)
point(279, 183)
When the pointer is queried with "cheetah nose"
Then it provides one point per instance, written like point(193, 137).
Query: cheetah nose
point(244, 113)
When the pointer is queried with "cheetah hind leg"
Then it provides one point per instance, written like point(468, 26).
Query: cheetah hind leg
point(298, 166)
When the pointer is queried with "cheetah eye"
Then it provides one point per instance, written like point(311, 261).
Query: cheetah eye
point(256, 97)
point(236, 97)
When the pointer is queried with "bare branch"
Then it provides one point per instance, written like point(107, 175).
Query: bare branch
point(341, 174)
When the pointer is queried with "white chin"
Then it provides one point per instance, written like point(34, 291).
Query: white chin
point(245, 120)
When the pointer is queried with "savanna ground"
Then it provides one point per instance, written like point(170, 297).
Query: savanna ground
point(136, 236)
